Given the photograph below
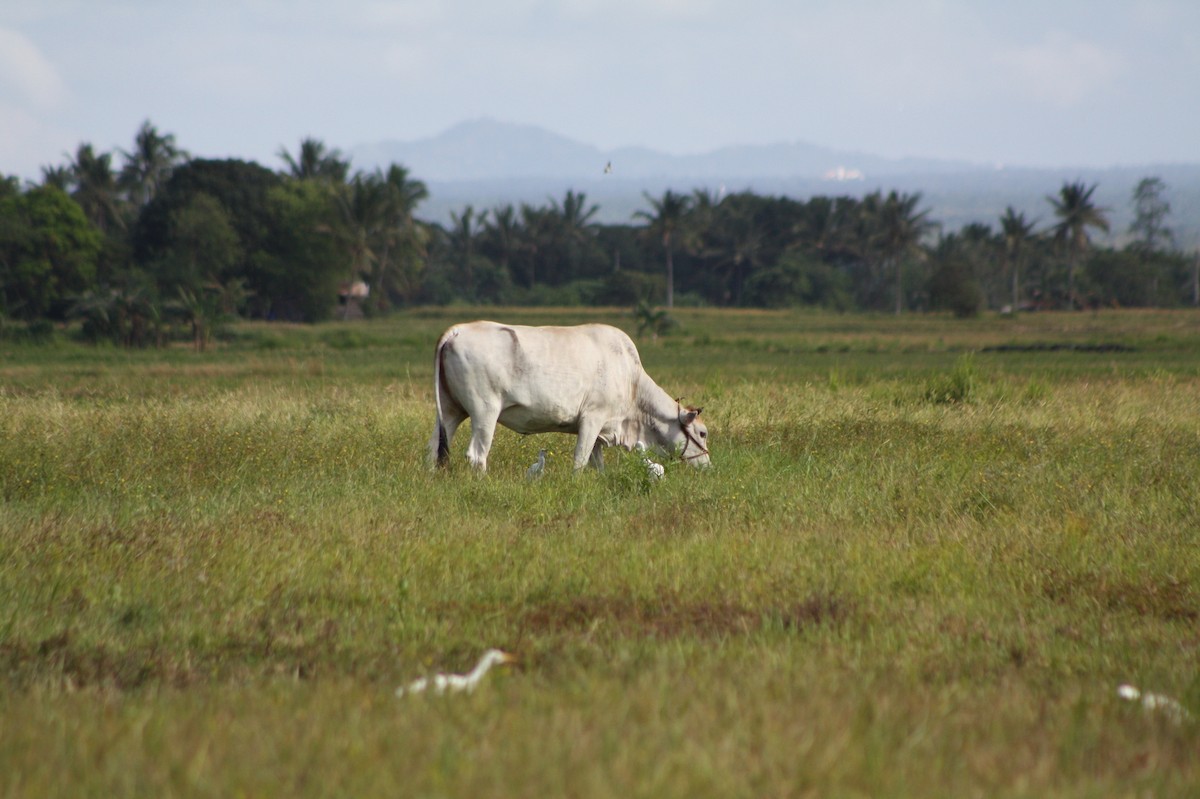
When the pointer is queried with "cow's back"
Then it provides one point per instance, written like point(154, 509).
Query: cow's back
point(540, 379)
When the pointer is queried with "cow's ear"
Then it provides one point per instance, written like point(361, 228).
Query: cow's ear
point(699, 411)
point(688, 416)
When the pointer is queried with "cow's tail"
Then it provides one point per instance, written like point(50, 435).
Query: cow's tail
point(439, 444)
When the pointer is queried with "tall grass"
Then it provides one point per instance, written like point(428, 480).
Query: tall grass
point(916, 568)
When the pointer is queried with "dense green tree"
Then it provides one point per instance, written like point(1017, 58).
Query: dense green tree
point(958, 262)
point(302, 263)
point(798, 278)
point(1076, 213)
point(9, 187)
point(48, 252)
point(1114, 278)
point(203, 247)
point(241, 191)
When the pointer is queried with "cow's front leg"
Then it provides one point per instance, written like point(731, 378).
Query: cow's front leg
point(587, 446)
point(483, 428)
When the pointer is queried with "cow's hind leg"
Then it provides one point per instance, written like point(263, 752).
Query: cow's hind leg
point(483, 429)
point(597, 459)
point(443, 433)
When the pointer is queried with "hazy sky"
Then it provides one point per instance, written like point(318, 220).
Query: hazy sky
point(1037, 82)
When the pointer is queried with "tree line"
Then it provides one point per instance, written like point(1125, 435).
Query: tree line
point(142, 244)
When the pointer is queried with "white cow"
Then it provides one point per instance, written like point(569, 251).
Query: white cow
point(586, 380)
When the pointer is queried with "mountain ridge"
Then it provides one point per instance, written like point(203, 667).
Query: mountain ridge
point(487, 163)
point(487, 149)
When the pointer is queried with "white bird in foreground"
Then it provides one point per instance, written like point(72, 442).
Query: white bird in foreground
point(1151, 702)
point(654, 470)
point(534, 472)
point(456, 683)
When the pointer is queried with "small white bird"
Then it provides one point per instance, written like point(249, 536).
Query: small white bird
point(654, 471)
point(456, 683)
point(608, 168)
point(534, 472)
point(1155, 702)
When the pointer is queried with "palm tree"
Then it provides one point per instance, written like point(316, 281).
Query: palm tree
point(573, 220)
point(538, 237)
point(402, 245)
point(150, 163)
point(464, 233)
point(817, 226)
point(1018, 235)
point(126, 314)
point(655, 320)
point(315, 162)
point(1149, 229)
point(1076, 213)
point(502, 238)
point(96, 188)
point(666, 223)
point(362, 206)
point(899, 228)
point(60, 177)
point(738, 243)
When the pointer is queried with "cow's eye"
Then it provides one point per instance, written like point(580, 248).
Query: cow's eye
point(704, 434)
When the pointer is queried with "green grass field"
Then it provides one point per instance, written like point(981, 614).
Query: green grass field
point(926, 555)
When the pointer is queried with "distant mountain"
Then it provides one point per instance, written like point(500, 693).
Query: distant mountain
point(486, 163)
point(486, 149)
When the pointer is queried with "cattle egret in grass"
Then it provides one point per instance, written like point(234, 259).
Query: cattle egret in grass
point(1155, 703)
point(534, 472)
point(458, 683)
point(654, 471)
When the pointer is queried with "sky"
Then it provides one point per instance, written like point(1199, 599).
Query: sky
point(1046, 83)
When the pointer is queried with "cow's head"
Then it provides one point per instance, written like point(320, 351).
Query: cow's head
point(689, 436)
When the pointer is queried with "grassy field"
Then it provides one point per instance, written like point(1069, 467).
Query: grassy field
point(927, 554)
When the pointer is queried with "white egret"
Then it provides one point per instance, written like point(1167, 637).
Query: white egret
point(654, 471)
point(456, 683)
point(608, 168)
point(1155, 702)
point(535, 471)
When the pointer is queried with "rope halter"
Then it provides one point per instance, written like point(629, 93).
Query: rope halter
point(689, 435)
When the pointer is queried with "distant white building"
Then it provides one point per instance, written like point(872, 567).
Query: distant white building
point(841, 173)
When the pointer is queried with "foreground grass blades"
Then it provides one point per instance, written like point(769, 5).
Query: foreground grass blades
point(919, 567)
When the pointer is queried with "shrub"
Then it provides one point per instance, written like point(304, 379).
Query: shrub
point(958, 385)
